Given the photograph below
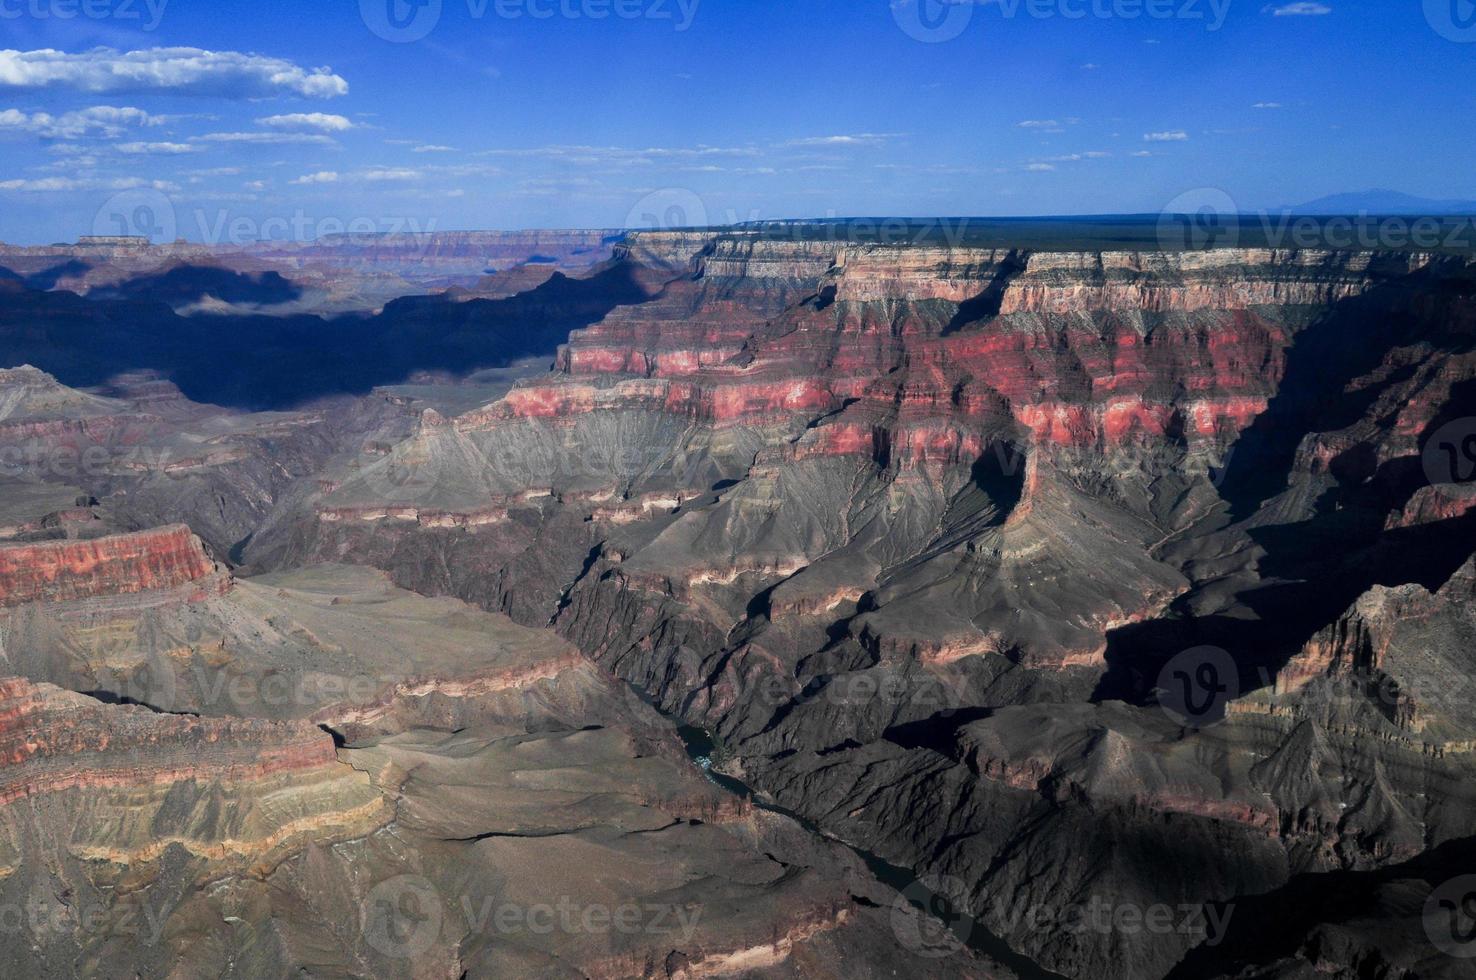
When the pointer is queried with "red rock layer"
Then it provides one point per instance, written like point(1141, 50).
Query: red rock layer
point(59, 571)
point(52, 740)
point(922, 352)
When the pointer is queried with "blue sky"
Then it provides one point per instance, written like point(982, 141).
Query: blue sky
point(227, 119)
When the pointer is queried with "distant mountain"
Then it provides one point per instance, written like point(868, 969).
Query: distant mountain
point(1382, 202)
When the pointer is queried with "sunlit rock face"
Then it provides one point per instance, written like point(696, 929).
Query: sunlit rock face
point(166, 558)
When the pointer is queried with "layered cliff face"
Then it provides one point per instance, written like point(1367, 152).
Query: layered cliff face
point(919, 532)
point(316, 767)
point(166, 558)
point(115, 815)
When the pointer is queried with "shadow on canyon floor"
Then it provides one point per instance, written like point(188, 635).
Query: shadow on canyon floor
point(265, 362)
point(1279, 924)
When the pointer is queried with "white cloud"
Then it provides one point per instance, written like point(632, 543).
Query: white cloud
point(1267, 105)
point(104, 120)
point(1040, 167)
point(858, 139)
point(326, 122)
point(1142, 153)
point(1090, 66)
point(1303, 9)
point(321, 177)
point(434, 148)
point(384, 174)
point(192, 71)
point(165, 149)
point(1038, 124)
point(56, 184)
point(1168, 136)
point(616, 156)
point(255, 185)
point(266, 139)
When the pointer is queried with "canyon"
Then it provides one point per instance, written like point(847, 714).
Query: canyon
point(1044, 577)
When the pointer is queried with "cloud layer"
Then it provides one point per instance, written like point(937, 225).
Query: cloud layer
point(190, 71)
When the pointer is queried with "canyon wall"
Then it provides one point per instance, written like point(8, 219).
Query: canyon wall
point(918, 530)
point(62, 571)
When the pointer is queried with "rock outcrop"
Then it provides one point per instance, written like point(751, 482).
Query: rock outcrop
point(63, 571)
